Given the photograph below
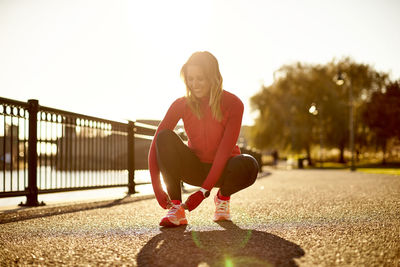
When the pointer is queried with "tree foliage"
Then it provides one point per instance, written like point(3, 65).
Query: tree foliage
point(381, 114)
point(284, 120)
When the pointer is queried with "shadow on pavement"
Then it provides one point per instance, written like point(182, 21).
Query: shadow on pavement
point(22, 214)
point(232, 246)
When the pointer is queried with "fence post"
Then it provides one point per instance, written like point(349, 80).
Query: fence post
point(32, 196)
point(131, 157)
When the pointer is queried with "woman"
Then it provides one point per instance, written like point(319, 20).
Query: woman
point(212, 118)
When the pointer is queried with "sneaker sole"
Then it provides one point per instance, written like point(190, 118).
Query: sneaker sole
point(221, 219)
point(168, 223)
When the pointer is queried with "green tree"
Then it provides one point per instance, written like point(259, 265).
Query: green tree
point(381, 114)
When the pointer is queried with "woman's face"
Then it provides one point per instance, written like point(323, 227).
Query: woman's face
point(197, 81)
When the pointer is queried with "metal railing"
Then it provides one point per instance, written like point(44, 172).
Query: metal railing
point(47, 150)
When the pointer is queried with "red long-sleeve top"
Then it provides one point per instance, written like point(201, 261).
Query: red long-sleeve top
point(211, 140)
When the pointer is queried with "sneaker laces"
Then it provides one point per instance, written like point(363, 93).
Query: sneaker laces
point(172, 211)
point(222, 206)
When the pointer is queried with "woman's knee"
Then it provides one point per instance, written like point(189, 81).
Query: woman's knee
point(252, 167)
point(164, 137)
point(246, 167)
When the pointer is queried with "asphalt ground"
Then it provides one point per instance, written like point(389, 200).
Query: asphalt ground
point(287, 218)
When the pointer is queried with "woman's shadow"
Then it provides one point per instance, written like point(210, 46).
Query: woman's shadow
point(232, 246)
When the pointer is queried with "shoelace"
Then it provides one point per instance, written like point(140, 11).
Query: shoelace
point(172, 211)
point(222, 206)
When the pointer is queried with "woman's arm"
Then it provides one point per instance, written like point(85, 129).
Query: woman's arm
point(226, 146)
point(173, 115)
point(224, 152)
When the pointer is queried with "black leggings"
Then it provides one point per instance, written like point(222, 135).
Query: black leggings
point(178, 163)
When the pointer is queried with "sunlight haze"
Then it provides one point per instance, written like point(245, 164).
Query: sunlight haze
point(121, 59)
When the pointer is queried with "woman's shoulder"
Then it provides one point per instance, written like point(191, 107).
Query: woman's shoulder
point(229, 98)
point(181, 101)
point(178, 105)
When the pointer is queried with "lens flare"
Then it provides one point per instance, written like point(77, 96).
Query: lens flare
point(228, 262)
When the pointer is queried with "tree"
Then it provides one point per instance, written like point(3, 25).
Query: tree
point(284, 120)
point(381, 114)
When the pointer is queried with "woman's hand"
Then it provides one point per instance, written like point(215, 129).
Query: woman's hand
point(164, 200)
point(194, 200)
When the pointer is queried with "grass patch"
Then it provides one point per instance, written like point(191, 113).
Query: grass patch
point(392, 168)
point(380, 170)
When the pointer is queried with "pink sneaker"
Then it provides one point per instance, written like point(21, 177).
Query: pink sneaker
point(221, 210)
point(175, 217)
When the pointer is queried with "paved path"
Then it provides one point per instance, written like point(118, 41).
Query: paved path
point(297, 217)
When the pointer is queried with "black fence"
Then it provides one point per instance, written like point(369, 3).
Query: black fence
point(47, 150)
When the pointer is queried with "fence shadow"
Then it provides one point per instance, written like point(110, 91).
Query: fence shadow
point(231, 246)
point(22, 214)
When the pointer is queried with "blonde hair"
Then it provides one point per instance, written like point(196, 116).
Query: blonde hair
point(209, 64)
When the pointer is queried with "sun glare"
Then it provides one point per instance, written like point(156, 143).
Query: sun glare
point(171, 30)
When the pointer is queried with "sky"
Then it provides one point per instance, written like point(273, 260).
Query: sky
point(120, 59)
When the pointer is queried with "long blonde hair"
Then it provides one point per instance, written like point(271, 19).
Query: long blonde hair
point(209, 64)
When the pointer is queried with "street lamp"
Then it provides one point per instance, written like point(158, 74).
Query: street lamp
point(340, 80)
point(314, 111)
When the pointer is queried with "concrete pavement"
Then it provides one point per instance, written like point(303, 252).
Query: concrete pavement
point(289, 218)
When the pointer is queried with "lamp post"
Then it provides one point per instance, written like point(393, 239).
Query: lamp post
point(314, 111)
point(340, 80)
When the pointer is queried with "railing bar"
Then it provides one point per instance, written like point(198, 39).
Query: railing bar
point(125, 159)
point(50, 139)
point(11, 149)
point(66, 137)
point(48, 181)
point(18, 158)
point(87, 139)
point(54, 137)
point(64, 154)
point(82, 158)
point(81, 173)
point(116, 158)
point(51, 151)
point(114, 152)
point(97, 154)
point(67, 182)
point(87, 181)
point(117, 154)
point(86, 117)
point(57, 151)
point(69, 139)
point(4, 148)
point(122, 163)
point(48, 154)
point(86, 155)
point(109, 157)
point(71, 151)
point(25, 146)
point(13, 102)
point(75, 150)
point(48, 191)
point(53, 159)
point(99, 148)
point(104, 158)
point(63, 182)
point(39, 149)
point(119, 151)
point(92, 180)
